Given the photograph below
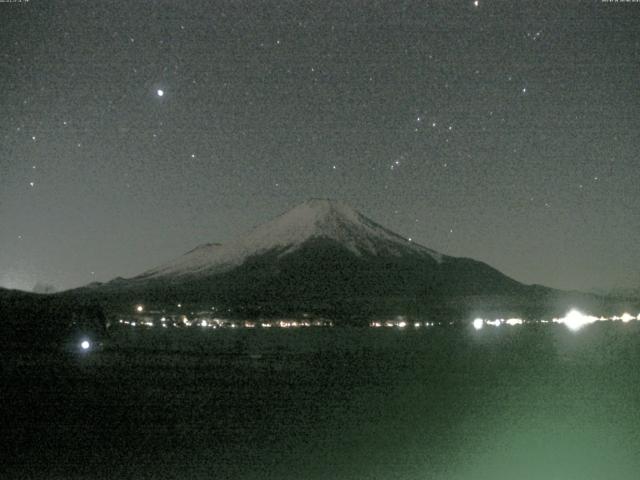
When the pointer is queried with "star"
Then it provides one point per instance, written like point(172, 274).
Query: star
point(160, 92)
point(476, 3)
point(32, 184)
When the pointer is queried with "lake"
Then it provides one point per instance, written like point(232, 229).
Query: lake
point(526, 402)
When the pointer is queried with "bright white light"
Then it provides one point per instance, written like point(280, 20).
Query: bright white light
point(85, 344)
point(514, 321)
point(402, 324)
point(575, 320)
point(626, 317)
point(478, 323)
point(160, 92)
point(139, 308)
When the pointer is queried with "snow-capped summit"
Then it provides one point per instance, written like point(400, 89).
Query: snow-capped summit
point(312, 220)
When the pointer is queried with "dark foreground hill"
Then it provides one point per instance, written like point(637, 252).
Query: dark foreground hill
point(42, 321)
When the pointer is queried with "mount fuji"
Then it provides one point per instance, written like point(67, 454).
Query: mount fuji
point(314, 220)
point(323, 257)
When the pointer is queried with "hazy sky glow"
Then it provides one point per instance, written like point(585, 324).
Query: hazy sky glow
point(503, 131)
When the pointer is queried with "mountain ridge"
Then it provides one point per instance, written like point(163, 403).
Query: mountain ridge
point(324, 258)
point(315, 218)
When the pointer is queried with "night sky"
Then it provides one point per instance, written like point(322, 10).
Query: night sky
point(130, 132)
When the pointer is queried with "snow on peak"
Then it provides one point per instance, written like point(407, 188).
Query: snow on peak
point(313, 219)
point(192, 260)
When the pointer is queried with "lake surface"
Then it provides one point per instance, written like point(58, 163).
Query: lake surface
point(526, 402)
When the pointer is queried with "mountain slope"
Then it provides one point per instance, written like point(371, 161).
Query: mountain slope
point(314, 219)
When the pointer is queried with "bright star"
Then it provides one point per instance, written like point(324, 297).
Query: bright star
point(160, 92)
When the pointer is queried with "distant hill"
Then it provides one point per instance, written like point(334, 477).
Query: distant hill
point(621, 293)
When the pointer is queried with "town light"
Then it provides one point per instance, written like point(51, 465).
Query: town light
point(575, 320)
point(626, 317)
point(514, 321)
